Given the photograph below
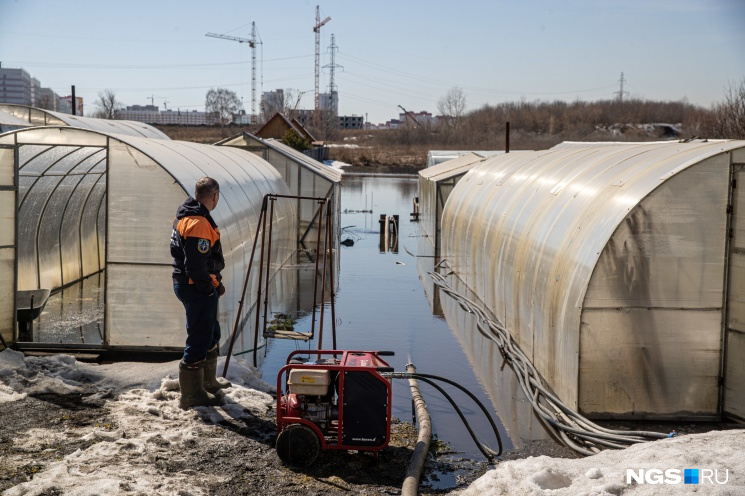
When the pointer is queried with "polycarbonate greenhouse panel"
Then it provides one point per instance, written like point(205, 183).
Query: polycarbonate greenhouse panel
point(166, 173)
point(525, 232)
point(734, 399)
point(41, 117)
point(7, 168)
point(57, 136)
point(142, 206)
point(650, 362)
point(7, 242)
point(141, 309)
point(432, 196)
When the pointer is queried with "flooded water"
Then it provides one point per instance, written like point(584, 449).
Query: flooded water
point(381, 305)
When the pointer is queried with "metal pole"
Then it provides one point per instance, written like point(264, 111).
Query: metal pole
point(243, 293)
point(330, 222)
point(73, 100)
point(323, 277)
point(258, 292)
point(268, 260)
point(315, 274)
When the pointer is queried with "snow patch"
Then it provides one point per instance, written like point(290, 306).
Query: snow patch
point(605, 473)
point(146, 427)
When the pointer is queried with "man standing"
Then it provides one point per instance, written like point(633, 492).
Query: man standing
point(197, 262)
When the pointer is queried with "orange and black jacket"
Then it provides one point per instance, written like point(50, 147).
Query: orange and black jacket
point(195, 247)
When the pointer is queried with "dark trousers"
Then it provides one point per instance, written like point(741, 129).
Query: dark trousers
point(202, 327)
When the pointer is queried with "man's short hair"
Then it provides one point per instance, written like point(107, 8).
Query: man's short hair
point(205, 188)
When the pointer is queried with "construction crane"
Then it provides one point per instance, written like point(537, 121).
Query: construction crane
point(165, 102)
point(410, 115)
point(252, 43)
point(317, 30)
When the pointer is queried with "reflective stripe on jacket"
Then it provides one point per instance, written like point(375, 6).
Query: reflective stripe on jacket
point(196, 248)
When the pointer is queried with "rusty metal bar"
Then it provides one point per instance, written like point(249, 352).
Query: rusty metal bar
point(245, 286)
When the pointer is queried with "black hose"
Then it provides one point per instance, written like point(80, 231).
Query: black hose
point(568, 424)
point(489, 453)
point(470, 395)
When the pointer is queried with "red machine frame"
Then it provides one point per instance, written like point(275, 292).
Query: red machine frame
point(351, 360)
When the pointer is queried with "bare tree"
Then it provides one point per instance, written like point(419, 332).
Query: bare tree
point(728, 119)
point(108, 105)
point(223, 103)
point(284, 101)
point(452, 106)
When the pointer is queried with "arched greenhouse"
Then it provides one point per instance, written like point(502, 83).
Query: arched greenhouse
point(619, 270)
point(93, 211)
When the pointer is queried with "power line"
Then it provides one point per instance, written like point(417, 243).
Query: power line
point(333, 93)
point(317, 30)
point(620, 91)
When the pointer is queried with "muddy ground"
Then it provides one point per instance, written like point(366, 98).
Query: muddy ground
point(246, 459)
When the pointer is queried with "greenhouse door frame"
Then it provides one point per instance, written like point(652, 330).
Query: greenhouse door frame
point(101, 262)
point(9, 244)
point(732, 386)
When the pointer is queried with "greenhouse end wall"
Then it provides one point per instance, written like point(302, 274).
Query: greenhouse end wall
point(651, 320)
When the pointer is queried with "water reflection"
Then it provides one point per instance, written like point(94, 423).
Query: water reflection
point(509, 400)
point(74, 315)
point(380, 305)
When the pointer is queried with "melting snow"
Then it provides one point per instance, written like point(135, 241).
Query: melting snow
point(147, 426)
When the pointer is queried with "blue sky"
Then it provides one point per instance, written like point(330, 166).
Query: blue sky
point(405, 53)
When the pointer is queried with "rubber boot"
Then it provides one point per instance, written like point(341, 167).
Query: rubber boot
point(190, 378)
point(212, 383)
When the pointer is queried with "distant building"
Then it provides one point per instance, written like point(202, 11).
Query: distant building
point(329, 101)
point(16, 86)
point(351, 122)
point(67, 101)
point(19, 88)
point(304, 117)
point(150, 114)
point(279, 125)
point(49, 100)
point(272, 102)
point(424, 118)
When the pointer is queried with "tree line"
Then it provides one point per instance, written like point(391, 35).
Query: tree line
point(540, 124)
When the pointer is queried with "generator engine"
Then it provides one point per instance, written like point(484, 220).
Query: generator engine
point(340, 401)
point(311, 396)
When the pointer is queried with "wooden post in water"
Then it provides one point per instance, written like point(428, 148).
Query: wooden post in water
point(383, 233)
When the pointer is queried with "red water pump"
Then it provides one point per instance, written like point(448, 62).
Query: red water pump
point(340, 401)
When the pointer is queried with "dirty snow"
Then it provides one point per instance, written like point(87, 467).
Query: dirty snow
point(147, 424)
point(336, 164)
point(605, 473)
point(147, 427)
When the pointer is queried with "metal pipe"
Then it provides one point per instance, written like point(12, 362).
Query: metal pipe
point(416, 464)
point(330, 222)
point(258, 291)
point(315, 274)
point(323, 276)
point(268, 263)
point(243, 293)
